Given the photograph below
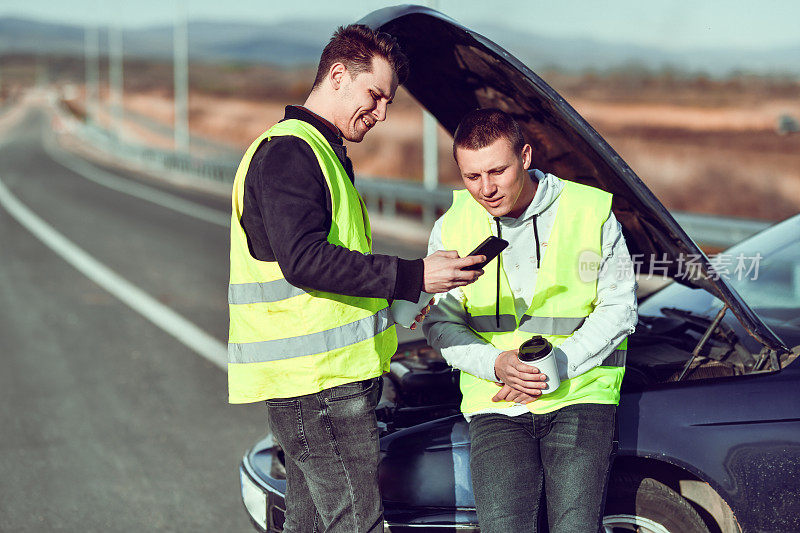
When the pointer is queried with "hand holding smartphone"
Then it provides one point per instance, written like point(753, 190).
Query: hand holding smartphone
point(405, 312)
point(491, 248)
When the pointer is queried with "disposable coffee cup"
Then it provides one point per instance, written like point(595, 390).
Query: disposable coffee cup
point(539, 352)
point(405, 312)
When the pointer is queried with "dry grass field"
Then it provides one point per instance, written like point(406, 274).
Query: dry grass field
point(727, 161)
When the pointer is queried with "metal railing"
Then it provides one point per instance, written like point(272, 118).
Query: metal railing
point(221, 169)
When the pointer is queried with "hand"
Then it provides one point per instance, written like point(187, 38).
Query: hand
point(443, 271)
point(519, 376)
point(507, 394)
point(421, 316)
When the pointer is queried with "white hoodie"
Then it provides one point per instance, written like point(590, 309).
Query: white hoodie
point(613, 318)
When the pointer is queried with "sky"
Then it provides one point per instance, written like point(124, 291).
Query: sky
point(666, 24)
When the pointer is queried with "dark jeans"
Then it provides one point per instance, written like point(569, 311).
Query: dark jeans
point(566, 452)
point(330, 441)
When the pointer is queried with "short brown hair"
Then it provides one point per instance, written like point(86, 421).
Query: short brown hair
point(355, 45)
point(482, 127)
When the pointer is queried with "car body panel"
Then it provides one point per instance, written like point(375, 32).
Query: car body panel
point(735, 433)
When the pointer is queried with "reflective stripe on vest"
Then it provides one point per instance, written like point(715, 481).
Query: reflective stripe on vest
point(262, 292)
point(562, 299)
point(541, 325)
point(285, 341)
point(617, 358)
point(312, 343)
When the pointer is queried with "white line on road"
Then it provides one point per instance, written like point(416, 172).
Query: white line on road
point(144, 304)
point(150, 194)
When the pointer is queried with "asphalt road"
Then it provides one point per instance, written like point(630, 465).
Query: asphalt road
point(109, 421)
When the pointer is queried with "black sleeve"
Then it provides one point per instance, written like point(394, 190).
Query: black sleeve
point(291, 192)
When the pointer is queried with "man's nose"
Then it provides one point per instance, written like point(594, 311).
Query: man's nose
point(487, 187)
point(381, 108)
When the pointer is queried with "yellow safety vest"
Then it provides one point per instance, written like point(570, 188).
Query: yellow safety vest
point(287, 341)
point(561, 302)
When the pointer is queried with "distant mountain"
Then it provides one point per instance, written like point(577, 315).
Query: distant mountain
point(539, 52)
point(21, 35)
point(291, 42)
point(299, 42)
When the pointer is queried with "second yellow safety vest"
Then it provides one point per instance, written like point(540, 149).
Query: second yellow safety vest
point(561, 302)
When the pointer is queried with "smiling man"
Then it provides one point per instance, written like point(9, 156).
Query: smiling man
point(523, 442)
point(310, 325)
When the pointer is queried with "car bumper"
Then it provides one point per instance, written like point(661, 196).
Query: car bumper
point(263, 499)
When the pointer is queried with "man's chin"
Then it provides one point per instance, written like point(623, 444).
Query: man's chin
point(499, 211)
point(355, 138)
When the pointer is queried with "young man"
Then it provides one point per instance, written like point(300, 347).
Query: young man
point(310, 329)
point(524, 443)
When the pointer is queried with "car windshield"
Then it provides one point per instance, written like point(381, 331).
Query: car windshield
point(764, 270)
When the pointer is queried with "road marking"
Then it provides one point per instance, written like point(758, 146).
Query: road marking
point(162, 316)
point(132, 188)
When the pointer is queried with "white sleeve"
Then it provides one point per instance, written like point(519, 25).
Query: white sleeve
point(447, 331)
point(615, 314)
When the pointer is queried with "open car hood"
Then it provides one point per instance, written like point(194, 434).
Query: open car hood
point(454, 70)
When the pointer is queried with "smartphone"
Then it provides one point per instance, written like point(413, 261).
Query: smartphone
point(491, 248)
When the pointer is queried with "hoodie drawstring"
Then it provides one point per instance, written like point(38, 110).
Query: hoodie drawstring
point(536, 236)
point(538, 265)
point(497, 294)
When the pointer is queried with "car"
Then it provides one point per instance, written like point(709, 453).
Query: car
point(709, 418)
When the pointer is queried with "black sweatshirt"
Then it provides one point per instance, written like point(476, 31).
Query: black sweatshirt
point(287, 216)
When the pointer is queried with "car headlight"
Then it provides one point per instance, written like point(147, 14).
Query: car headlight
point(255, 499)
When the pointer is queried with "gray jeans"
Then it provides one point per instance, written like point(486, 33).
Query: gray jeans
point(330, 441)
point(567, 453)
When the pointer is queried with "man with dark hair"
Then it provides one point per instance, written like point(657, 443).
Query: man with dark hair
point(526, 443)
point(355, 46)
point(310, 325)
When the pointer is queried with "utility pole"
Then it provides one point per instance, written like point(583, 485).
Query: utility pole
point(430, 161)
point(92, 89)
point(181, 72)
point(430, 152)
point(42, 77)
point(115, 79)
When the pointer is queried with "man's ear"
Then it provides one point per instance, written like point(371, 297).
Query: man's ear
point(336, 75)
point(527, 152)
